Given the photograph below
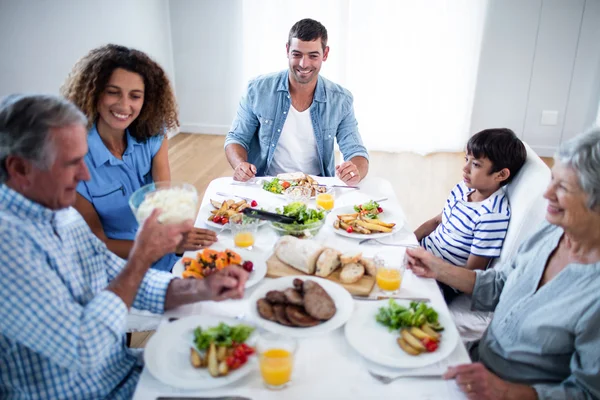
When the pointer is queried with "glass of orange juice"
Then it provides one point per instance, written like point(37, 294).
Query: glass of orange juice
point(243, 230)
point(325, 201)
point(389, 274)
point(276, 359)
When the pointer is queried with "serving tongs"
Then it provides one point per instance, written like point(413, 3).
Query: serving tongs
point(267, 216)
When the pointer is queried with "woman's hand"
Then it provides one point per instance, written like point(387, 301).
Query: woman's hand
point(423, 263)
point(477, 382)
point(197, 239)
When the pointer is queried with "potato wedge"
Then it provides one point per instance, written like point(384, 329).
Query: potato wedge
point(230, 203)
point(407, 349)
point(242, 206)
point(430, 332)
point(224, 207)
point(223, 368)
point(420, 334)
point(239, 203)
point(336, 224)
point(373, 227)
point(411, 340)
point(213, 363)
point(215, 203)
point(195, 358)
point(380, 222)
point(343, 225)
point(310, 180)
point(345, 216)
point(360, 229)
point(221, 353)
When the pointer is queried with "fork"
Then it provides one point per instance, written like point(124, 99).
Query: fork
point(389, 379)
point(365, 241)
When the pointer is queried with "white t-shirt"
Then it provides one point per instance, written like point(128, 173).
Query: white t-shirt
point(296, 149)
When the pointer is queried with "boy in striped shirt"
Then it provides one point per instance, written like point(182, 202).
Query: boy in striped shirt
point(470, 230)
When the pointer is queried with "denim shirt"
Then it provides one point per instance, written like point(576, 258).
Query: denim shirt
point(263, 110)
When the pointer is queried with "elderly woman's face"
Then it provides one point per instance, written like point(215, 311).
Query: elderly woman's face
point(567, 202)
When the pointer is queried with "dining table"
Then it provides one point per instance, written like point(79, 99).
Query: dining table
point(325, 366)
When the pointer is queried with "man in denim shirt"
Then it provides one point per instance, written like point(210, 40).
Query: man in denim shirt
point(287, 121)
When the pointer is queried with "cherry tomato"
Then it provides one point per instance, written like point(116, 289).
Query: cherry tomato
point(248, 266)
point(285, 185)
point(239, 352)
point(429, 344)
point(217, 219)
point(230, 361)
point(243, 359)
point(224, 220)
point(254, 203)
point(379, 210)
point(349, 229)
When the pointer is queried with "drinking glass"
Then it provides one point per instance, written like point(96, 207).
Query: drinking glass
point(389, 274)
point(325, 201)
point(276, 359)
point(243, 230)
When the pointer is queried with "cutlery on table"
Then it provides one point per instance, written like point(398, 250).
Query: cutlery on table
point(410, 246)
point(421, 299)
point(234, 195)
point(340, 186)
point(389, 379)
point(267, 216)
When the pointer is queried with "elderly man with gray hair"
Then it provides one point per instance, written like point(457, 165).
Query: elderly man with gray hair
point(64, 295)
point(543, 341)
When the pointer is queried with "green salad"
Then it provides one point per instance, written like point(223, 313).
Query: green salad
point(221, 335)
point(369, 209)
point(395, 316)
point(304, 219)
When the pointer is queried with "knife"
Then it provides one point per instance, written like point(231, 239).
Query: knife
point(340, 186)
point(421, 299)
point(268, 216)
point(203, 398)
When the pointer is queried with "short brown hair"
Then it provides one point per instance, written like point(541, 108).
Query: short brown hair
point(308, 30)
point(91, 74)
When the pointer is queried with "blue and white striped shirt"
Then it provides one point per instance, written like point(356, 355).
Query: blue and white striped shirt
point(62, 336)
point(467, 228)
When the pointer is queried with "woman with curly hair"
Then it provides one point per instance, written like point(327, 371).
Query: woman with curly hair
point(130, 106)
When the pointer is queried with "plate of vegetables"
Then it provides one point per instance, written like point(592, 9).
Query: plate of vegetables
point(308, 221)
point(201, 352)
point(401, 334)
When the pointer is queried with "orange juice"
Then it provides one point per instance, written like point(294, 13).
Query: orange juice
point(325, 201)
point(388, 279)
point(276, 366)
point(243, 239)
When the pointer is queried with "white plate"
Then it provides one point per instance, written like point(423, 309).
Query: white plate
point(387, 216)
point(376, 343)
point(207, 208)
point(258, 259)
point(167, 355)
point(341, 297)
point(281, 196)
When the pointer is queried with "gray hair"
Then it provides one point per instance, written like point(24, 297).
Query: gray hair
point(25, 123)
point(582, 153)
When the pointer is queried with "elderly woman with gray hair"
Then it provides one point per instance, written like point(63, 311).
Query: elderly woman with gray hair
point(544, 339)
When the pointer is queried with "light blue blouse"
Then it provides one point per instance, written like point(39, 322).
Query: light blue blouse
point(548, 337)
point(113, 181)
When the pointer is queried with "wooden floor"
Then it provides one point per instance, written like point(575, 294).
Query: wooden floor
point(422, 183)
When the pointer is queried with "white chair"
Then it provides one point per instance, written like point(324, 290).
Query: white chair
point(528, 209)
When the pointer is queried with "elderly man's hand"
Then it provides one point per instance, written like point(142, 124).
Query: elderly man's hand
point(228, 283)
point(423, 263)
point(197, 239)
point(244, 171)
point(154, 240)
point(348, 173)
point(477, 382)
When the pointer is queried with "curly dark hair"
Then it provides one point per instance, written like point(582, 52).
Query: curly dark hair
point(91, 74)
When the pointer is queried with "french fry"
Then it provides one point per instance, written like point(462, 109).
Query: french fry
point(407, 348)
point(380, 222)
point(360, 229)
point(411, 340)
point(373, 227)
point(343, 216)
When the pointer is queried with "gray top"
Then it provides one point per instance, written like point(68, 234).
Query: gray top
point(549, 338)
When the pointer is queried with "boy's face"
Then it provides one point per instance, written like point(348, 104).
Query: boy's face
point(476, 174)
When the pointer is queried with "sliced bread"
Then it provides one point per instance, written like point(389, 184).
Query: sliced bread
point(352, 273)
point(328, 261)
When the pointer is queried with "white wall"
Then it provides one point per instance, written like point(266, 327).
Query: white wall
point(539, 55)
point(41, 40)
point(207, 49)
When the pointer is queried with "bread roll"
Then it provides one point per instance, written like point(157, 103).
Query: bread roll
point(300, 254)
point(349, 258)
point(352, 273)
point(328, 262)
point(370, 268)
point(291, 176)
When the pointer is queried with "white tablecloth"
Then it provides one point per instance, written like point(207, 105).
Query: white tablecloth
point(325, 367)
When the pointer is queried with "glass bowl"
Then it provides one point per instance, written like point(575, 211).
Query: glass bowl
point(298, 193)
point(177, 200)
point(297, 230)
